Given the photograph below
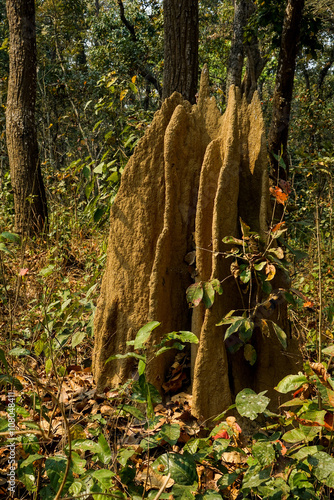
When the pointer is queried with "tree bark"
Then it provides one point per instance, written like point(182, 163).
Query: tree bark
point(180, 48)
point(242, 11)
point(29, 193)
point(279, 127)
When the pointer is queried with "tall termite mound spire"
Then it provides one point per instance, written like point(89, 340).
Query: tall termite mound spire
point(193, 174)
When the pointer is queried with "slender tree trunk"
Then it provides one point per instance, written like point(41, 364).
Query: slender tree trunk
point(279, 128)
point(27, 183)
point(180, 48)
point(242, 11)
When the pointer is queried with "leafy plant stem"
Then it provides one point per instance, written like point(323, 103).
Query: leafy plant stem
point(320, 288)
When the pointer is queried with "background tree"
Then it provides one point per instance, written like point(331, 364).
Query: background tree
point(29, 192)
point(279, 128)
point(180, 48)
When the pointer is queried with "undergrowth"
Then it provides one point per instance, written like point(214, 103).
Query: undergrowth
point(71, 442)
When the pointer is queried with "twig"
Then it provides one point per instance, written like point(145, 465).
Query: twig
point(157, 496)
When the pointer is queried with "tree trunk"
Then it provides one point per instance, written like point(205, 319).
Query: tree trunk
point(180, 48)
point(279, 128)
point(242, 11)
point(27, 183)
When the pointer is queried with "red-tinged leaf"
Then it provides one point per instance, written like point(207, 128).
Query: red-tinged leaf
point(283, 447)
point(23, 272)
point(329, 421)
point(265, 328)
point(217, 286)
point(223, 434)
point(280, 196)
point(285, 185)
point(195, 294)
point(277, 226)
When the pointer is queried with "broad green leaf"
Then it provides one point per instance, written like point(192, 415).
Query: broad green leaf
point(227, 480)
point(127, 355)
point(305, 451)
point(264, 452)
point(253, 479)
point(217, 286)
point(144, 334)
point(78, 464)
point(249, 404)
point(19, 351)
point(194, 294)
point(185, 336)
point(245, 275)
point(48, 365)
point(104, 452)
point(232, 240)
point(295, 436)
point(98, 214)
point(124, 454)
point(291, 383)
point(132, 410)
point(170, 433)
point(234, 328)
point(181, 468)
point(250, 354)
point(4, 249)
point(328, 350)
point(246, 331)
point(260, 265)
point(31, 459)
point(46, 271)
point(323, 467)
point(78, 338)
point(99, 168)
point(208, 294)
point(227, 320)
point(15, 238)
point(281, 335)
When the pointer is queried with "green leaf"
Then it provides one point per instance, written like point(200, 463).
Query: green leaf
point(264, 452)
point(277, 252)
point(48, 366)
point(232, 240)
point(281, 335)
point(245, 275)
point(124, 454)
point(208, 294)
point(99, 168)
point(250, 354)
point(98, 214)
point(125, 356)
point(323, 465)
point(227, 320)
point(4, 249)
point(19, 351)
point(131, 410)
point(181, 468)
point(46, 271)
point(78, 338)
point(104, 477)
point(260, 265)
point(77, 463)
point(249, 404)
point(227, 480)
point(217, 286)
point(15, 238)
point(305, 451)
point(3, 360)
point(234, 328)
point(30, 460)
point(253, 479)
point(194, 294)
point(144, 334)
point(190, 337)
point(170, 433)
point(295, 436)
point(328, 350)
point(291, 383)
